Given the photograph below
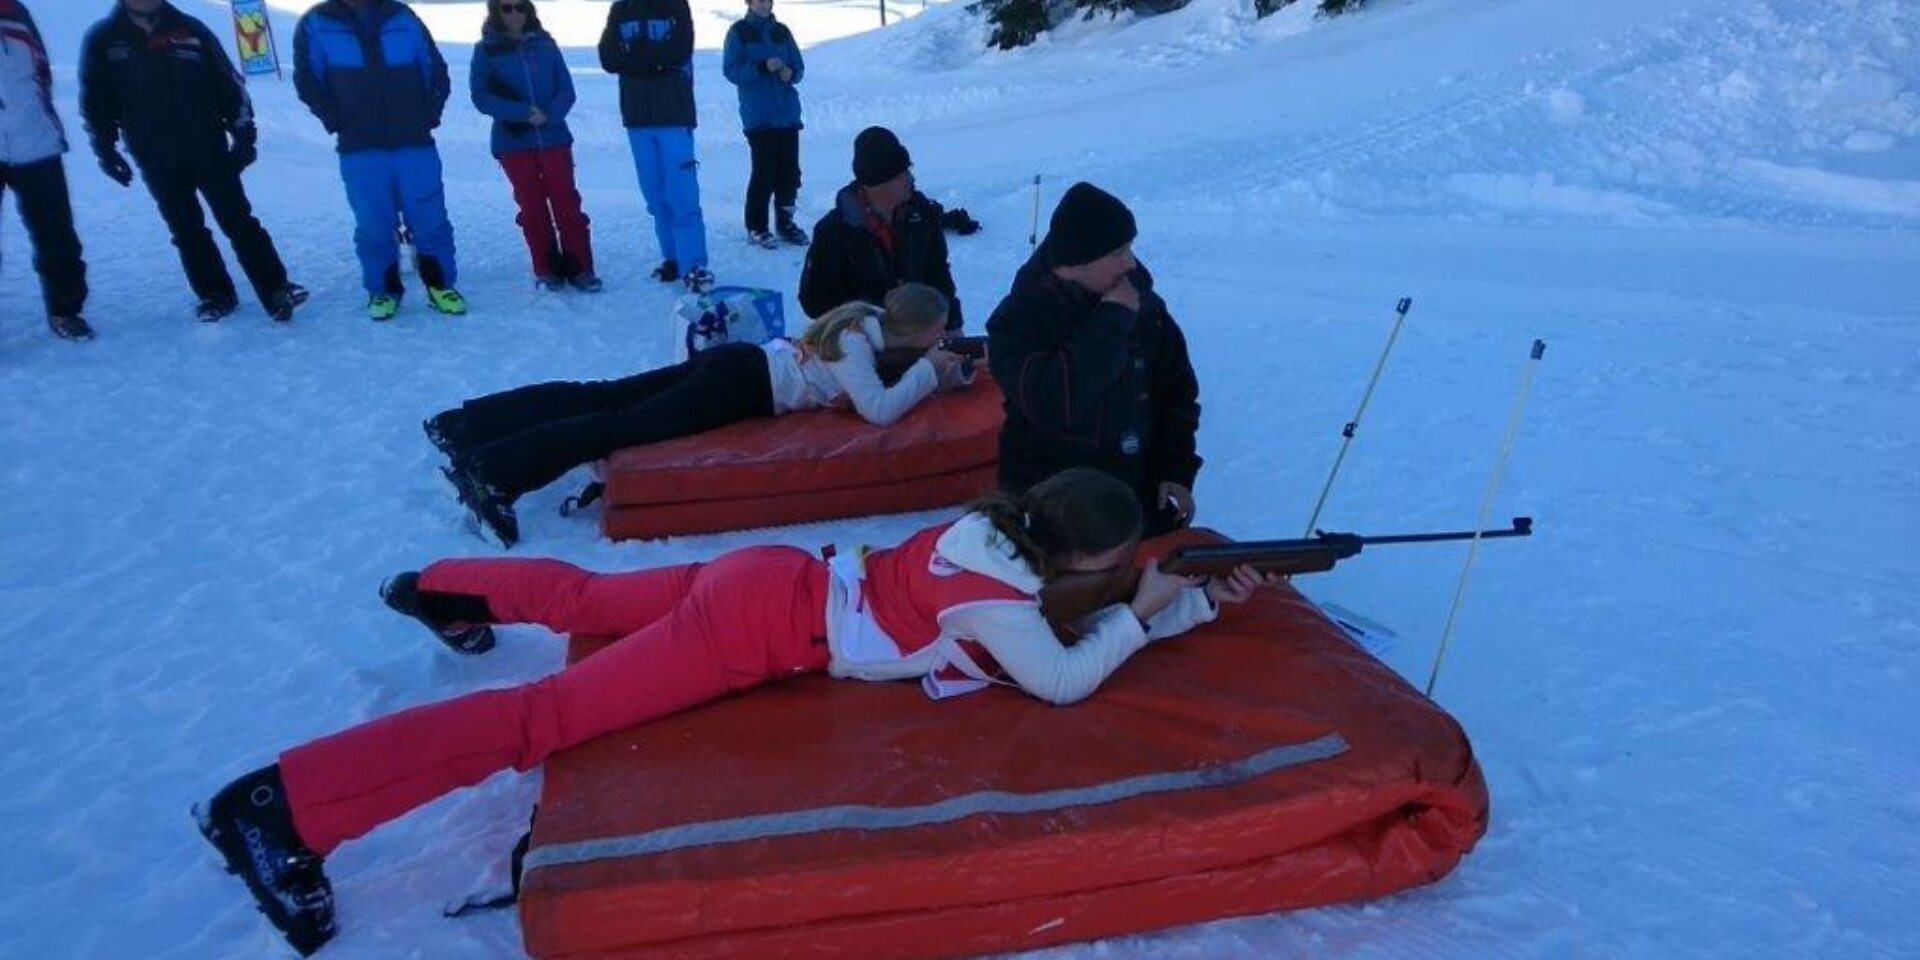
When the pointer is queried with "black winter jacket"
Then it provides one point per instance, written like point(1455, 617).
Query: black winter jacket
point(1092, 384)
point(846, 262)
point(649, 44)
point(172, 93)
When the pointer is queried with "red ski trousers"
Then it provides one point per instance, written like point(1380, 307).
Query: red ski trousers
point(688, 635)
point(549, 202)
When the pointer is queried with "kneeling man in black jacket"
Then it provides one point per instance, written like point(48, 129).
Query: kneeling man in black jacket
point(1094, 369)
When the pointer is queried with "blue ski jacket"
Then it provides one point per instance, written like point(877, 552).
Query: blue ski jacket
point(375, 80)
point(766, 101)
point(509, 78)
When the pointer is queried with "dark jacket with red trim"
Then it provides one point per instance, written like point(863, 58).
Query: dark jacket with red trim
point(846, 262)
point(172, 93)
point(1092, 384)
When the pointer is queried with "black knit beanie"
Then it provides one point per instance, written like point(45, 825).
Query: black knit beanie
point(1088, 224)
point(878, 157)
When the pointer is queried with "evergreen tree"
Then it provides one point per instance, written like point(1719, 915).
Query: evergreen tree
point(1016, 23)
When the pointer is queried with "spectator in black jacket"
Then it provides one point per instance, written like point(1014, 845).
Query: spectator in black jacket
point(881, 233)
point(163, 79)
point(649, 45)
point(1094, 369)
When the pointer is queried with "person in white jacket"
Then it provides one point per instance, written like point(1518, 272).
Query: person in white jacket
point(962, 597)
point(507, 444)
point(31, 142)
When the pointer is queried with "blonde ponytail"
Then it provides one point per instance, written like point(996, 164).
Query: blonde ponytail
point(822, 336)
point(912, 309)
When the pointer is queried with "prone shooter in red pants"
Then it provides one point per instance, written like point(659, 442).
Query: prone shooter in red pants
point(957, 599)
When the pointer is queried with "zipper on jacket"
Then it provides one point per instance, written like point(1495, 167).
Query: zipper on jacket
point(539, 141)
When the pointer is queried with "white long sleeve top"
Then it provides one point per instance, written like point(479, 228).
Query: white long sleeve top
point(803, 381)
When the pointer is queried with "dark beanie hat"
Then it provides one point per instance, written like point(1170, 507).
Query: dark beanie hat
point(1088, 224)
point(878, 157)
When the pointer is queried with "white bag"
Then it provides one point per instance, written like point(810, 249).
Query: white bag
point(727, 315)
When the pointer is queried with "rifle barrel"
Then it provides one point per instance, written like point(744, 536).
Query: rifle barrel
point(1522, 527)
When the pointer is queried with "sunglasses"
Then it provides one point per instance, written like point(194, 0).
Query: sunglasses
point(507, 8)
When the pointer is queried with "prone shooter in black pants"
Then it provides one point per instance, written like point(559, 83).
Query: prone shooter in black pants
point(164, 80)
point(507, 444)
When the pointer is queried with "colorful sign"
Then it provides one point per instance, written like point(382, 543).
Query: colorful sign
point(254, 34)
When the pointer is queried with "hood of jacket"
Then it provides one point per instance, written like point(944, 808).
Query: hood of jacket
point(975, 545)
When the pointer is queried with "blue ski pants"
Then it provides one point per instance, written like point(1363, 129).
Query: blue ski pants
point(670, 182)
point(383, 185)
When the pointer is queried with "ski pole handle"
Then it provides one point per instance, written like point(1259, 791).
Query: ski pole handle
point(1033, 232)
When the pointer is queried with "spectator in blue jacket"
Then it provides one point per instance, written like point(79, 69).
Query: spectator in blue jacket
point(520, 80)
point(764, 62)
point(649, 44)
point(369, 70)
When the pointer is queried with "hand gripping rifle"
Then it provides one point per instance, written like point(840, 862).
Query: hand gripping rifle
point(893, 362)
point(1071, 597)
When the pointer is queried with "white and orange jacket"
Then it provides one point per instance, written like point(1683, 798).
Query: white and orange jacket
point(955, 607)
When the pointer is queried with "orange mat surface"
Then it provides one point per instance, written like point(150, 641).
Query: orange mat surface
point(1261, 763)
point(815, 465)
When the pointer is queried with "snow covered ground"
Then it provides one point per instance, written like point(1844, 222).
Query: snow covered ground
point(1687, 691)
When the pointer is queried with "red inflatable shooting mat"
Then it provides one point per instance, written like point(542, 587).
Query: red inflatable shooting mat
point(808, 466)
point(1261, 763)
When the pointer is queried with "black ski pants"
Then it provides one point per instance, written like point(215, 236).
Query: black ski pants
point(41, 189)
point(178, 190)
point(521, 440)
point(776, 174)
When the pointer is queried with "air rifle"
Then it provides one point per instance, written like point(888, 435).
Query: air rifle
point(893, 362)
point(1071, 597)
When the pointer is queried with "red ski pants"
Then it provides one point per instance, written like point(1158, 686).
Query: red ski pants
point(689, 634)
point(549, 202)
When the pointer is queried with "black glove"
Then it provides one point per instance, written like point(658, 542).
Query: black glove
point(112, 163)
point(245, 147)
point(959, 222)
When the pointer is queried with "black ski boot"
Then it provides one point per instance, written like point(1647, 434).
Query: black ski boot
point(447, 431)
point(282, 302)
point(252, 827)
point(69, 326)
point(459, 620)
point(667, 272)
point(492, 508)
point(216, 309)
point(789, 231)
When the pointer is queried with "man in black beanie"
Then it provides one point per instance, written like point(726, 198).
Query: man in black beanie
point(1094, 369)
point(881, 233)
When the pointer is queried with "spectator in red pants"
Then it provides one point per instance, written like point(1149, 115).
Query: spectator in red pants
point(521, 81)
point(957, 607)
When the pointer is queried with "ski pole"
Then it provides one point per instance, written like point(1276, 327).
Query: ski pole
point(1347, 432)
point(1486, 505)
point(1033, 234)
